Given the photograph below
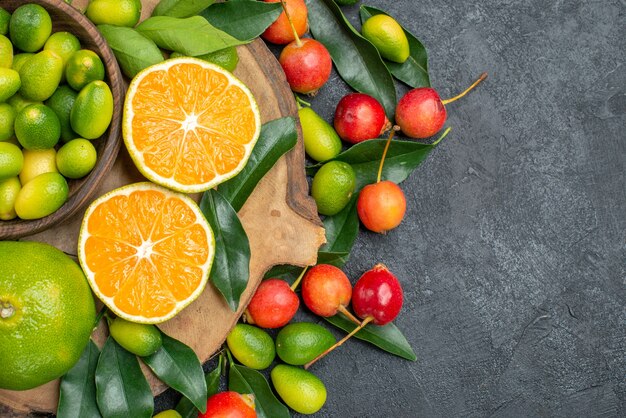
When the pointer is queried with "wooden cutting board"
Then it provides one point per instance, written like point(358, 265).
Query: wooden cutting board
point(279, 217)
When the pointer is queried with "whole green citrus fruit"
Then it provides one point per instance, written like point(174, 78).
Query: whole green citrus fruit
point(29, 27)
point(139, 339)
point(333, 186)
point(388, 37)
point(47, 314)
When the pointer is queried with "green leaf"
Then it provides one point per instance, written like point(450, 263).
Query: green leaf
point(245, 20)
point(121, 387)
point(185, 408)
point(178, 367)
point(231, 266)
point(77, 397)
point(244, 380)
point(191, 36)
point(413, 71)
point(133, 51)
point(342, 229)
point(357, 60)
point(277, 137)
point(181, 8)
point(402, 158)
point(387, 337)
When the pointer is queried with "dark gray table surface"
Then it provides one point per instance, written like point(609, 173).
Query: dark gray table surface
point(512, 254)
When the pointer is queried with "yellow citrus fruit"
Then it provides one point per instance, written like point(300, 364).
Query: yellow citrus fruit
point(37, 127)
point(301, 390)
point(47, 314)
point(114, 12)
point(252, 346)
point(9, 188)
point(92, 111)
point(9, 83)
point(41, 196)
point(36, 162)
point(30, 27)
point(61, 102)
point(226, 58)
point(76, 158)
point(82, 68)
point(64, 44)
point(41, 75)
point(20, 59)
point(321, 142)
point(332, 187)
point(11, 160)
point(189, 125)
point(6, 52)
point(388, 37)
point(7, 120)
point(139, 339)
point(146, 251)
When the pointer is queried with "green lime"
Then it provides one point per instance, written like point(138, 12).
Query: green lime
point(41, 75)
point(114, 12)
point(18, 102)
point(20, 59)
point(321, 142)
point(82, 68)
point(93, 110)
point(300, 342)
point(7, 120)
point(388, 37)
point(9, 83)
point(332, 187)
point(252, 346)
point(37, 127)
point(38, 161)
point(64, 44)
point(30, 27)
point(301, 390)
point(62, 102)
point(77, 158)
point(46, 317)
point(41, 196)
point(6, 52)
point(139, 339)
point(226, 58)
point(170, 413)
point(11, 160)
point(9, 188)
point(5, 18)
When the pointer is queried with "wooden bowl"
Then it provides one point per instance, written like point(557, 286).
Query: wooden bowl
point(67, 18)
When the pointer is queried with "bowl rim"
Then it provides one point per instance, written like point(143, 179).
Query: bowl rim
point(84, 193)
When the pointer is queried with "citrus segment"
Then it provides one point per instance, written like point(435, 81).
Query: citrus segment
point(189, 125)
point(146, 251)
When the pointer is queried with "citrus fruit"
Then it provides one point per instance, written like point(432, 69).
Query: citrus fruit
point(10, 83)
point(301, 342)
point(11, 160)
point(6, 52)
point(170, 413)
point(76, 158)
point(37, 127)
point(41, 196)
point(41, 75)
point(146, 251)
point(30, 27)
point(64, 44)
point(388, 37)
point(46, 314)
point(93, 110)
point(61, 102)
point(114, 12)
point(36, 162)
point(139, 339)
point(20, 59)
point(7, 119)
point(226, 58)
point(5, 18)
point(301, 390)
point(9, 188)
point(82, 68)
point(321, 142)
point(18, 102)
point(188, 138)
point(252, 346)
point(332, 187)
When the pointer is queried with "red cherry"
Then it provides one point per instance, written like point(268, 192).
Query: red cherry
point(359, 117)
point(273, 304)
point(377, 294)
point(230, 405)
point(280, 32)
point(307, 65)
point(381, 206)
point(326, 290)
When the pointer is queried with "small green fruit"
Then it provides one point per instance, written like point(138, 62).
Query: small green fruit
point(252, 346)
point(321, 142)
point(139, 339)
point(301, 390)
point(301, 342)
point(41, 196)
point(93, 110)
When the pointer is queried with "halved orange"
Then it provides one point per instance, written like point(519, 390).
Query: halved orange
point(146, 251)
point(189, 125)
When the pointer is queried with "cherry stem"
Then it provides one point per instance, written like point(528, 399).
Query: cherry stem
point(340, 342)
point(443, 135)
point(477, 82)
point(348, 314)
point(299, 102)
point(293, 28)
point(395, 129)
point(295, 284)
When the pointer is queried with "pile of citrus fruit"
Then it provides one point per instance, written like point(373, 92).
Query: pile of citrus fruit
point(53, 103)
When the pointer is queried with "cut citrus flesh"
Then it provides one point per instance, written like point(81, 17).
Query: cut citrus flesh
point(146, 251)
point(189, 125)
